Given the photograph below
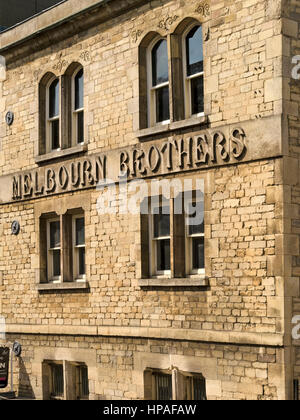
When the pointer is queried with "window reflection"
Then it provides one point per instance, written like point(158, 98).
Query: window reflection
point(160, 72)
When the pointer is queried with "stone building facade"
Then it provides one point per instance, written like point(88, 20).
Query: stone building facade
point(103, 307)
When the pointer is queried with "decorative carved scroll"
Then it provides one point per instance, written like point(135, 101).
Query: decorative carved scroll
point(167, 22)
point(203, 9)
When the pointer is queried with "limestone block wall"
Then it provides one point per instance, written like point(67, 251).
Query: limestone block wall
point(243, 72)
point(292, 170)
point(116, 365)
point(244, 292)
point(251, 212)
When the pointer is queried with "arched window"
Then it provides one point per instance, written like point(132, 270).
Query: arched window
point(53, 116)
point(158, 98)
point(78, 108)
point(193, 72)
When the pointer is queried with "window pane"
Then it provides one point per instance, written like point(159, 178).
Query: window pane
point(81, 261)
point(55, 135)
point(195, 218)
point(162, 222)
point(56, 263)
point(160, 72)
point(296, 390)
point(79, 90)
point(199, 389)
point(198, 253)
point(84, 381)
point(80, 138)
point(162, 104)
point(163, 387)
point(54, 99)
point(57, 381)
point(194, 51)
point(163, 255)
point(197, 95)
point(55, 235)
point(80, 240)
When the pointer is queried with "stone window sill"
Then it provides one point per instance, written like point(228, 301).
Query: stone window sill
point(53, 287)
point(174, 126)
point(81, 148)
point(198, 281)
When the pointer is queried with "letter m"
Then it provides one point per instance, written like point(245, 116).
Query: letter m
point(17, 193)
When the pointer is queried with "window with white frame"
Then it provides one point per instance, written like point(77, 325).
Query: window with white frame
point(193, 71)
point(53, 116)
point(77, 108)
point(79, 247)
point(194, 221)
point(61, 112)
point(173, 237)
point(62, 247)
point(160, 237)
point(54, 250)
point(171, 77)
point(158, 83)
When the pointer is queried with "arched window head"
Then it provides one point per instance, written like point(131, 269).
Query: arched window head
point(194, 76)
point(158, 97)
point(78, 107)
point(53, 117)
point(160, 72)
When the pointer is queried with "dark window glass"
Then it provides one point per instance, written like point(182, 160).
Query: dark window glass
point(54, 99)
point(296, 390)
point(55, 134)
point(56, 263)
point(79, 90)
point(81, 257)
point(55, 235)
point(163, 255)
point(160, 72)
point(162, 222)
point(163, 385)
point(162, 104)
point(196, 229)
point(80, 128)
point(199, 389)
point(80, 240)
point(194, 51)
point(195, 218)
point(198, 253)
point(57, 380)
point(197, 95)
point(84, 386)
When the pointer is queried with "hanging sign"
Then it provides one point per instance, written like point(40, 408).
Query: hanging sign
point(4, 366)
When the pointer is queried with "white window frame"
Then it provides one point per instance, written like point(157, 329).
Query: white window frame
point(151, 95)
point(188, 79)
point(153, 247)
point(51, 277)
point(50, 120)
point(75, 112)
point(189, 246)
point(77, 277)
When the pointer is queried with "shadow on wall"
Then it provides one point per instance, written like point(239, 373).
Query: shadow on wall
point(24, 388)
